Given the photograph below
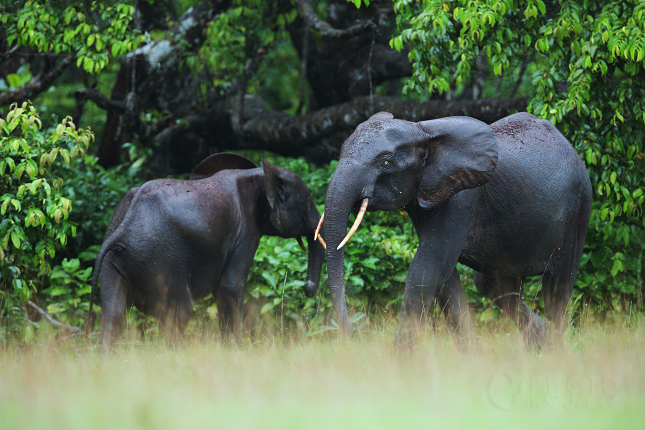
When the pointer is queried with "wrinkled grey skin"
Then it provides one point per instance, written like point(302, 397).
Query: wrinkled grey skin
point(172, 241)
point(509, 200)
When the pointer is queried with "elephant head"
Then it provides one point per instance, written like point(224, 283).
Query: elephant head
point(294, 214)
point(389, 164)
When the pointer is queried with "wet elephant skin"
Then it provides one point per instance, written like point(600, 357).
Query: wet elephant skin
point(510, 200)
point(173, 241)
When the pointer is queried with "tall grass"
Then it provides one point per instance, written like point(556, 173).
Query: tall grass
point(596, 380)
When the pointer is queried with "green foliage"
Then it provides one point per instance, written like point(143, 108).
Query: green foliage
point(69, 282)
point(35, 209)
point(63, 27)
point(16, 80)
point(247, 30)
point(588, 79)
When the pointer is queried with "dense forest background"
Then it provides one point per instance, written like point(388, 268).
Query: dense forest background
point(98, 97)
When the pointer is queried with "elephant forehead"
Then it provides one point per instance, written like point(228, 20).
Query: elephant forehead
point(379, 135)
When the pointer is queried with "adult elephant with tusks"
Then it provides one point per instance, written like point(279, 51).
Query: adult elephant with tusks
point(509, 200)
point(172, 241)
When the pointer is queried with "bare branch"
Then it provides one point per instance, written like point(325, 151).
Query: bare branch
point(37, 85)
point(325, 29)
point(6, 55)
point(520, 75)
point(99, 99)
point(52, 321)
point(274, 127)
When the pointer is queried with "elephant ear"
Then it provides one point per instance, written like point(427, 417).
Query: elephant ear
point(274, 185)
point(275, 188)
point(217, 162)
point(461, 154)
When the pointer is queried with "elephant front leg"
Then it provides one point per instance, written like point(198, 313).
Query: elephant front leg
point(441, 240)
point(230, 307)
point(230, 296)
point(455, 309)
point(423, 284)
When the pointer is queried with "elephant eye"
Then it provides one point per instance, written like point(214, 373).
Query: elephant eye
point(387, 163)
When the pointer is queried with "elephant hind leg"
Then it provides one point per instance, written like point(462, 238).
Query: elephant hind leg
point(455, 309)
point(506, 292)
point(560, 276)
point(556, 290)
point(113, 303)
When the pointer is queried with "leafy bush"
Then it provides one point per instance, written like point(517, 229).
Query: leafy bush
point(33, 203)
point(68, 28)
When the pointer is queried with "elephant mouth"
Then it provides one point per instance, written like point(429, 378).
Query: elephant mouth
point(357, 223)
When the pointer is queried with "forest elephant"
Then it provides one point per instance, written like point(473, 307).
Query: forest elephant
point(509, 200)
point(172, 241)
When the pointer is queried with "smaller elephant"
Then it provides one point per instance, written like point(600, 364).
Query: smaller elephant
point(509, 200)
point(172, 241)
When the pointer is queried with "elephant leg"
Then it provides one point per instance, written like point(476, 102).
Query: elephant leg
point(230, 296)
point(455, 309)
point(557, 292)
point(506, 292)
point(177, 310)
point(230, 307)
point(440, 243)
point(113, 305)
point(560, 276)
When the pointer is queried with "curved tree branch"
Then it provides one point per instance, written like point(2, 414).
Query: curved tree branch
point(37, 85)
point(278, 128)
point(324, 28)
point(52, 321)
point(317, 135)
point(100, 100)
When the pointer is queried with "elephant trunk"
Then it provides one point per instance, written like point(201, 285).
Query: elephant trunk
point(316, 255)
point(338, 205)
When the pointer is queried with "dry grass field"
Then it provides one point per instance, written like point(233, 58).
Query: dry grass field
point(596, 380)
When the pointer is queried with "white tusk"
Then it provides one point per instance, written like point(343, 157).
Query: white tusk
point(357, 223)
point(322, 242)
point(322, 218)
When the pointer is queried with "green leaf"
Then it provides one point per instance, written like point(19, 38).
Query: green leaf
point(266, 308)
point(13, 80)
point(541, 6)
point(617, 267)
point(15, 239)
point(269, 278)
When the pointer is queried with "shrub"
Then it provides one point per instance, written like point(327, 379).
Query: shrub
point(33, 204)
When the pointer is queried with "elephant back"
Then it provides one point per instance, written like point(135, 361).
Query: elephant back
point(218, 162)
